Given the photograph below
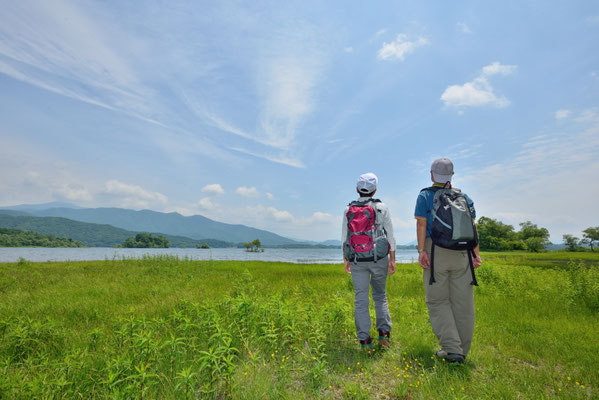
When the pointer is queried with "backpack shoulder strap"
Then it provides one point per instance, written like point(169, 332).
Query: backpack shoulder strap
point(431, 188)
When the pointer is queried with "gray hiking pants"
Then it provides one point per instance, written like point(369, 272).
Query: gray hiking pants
point(374, 274)
point(450, 299)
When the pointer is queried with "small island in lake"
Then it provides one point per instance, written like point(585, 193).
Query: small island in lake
point(255, 246)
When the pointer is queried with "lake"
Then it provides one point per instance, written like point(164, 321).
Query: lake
point(299, 256)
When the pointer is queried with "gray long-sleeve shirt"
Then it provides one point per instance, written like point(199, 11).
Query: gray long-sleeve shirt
point(385, 223)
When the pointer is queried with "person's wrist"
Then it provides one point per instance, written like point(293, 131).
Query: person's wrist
point(421, 251)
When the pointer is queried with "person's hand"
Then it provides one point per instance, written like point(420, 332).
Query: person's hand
point(477, 261)
point(391, 269)
point(423, 260)
point(347, 266)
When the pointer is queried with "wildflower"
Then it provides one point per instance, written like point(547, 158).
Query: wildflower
point(450, 388)
point(314, 358)
point(577, 383)
point(569, 378)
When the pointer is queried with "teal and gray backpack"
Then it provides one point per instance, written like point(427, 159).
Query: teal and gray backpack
point(453, 227)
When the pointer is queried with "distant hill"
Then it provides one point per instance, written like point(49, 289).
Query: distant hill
point(195, 227)
point(92, 235)
point(43, 206)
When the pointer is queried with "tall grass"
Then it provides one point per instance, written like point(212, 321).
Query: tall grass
point(168, 328)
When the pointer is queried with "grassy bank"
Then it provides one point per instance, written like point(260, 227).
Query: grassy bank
point(169, 328)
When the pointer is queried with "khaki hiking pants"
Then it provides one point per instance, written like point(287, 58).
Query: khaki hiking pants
point(374, 274)
point(450, 300)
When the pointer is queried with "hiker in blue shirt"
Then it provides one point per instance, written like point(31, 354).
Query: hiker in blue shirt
point(449, 292)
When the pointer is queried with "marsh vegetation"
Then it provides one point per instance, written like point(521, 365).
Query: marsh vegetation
point(170, 328)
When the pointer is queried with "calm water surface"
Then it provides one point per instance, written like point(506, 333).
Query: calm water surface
point(101, 253)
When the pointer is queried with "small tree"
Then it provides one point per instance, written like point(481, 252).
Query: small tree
point(590, 235)
point(536, 244)
point(571, 242)
point(256, 243)
point(528, 230)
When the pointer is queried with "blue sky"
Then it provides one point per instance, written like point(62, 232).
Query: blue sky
point(264, 113)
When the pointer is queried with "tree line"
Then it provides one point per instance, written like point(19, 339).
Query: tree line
point(146, 241)
point(589, 236)
point(494, 235)
point(19, 238)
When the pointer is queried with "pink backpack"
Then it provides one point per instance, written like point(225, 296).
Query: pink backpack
point(365, 240)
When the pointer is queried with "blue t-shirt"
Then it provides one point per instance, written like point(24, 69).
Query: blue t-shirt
point(424, 208)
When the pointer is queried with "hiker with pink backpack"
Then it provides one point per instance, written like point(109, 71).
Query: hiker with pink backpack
point(369, 256)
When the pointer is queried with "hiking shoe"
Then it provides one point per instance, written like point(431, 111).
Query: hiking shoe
point(367, 346)
point(441, 353)
point(454, 358)
point(384, 342)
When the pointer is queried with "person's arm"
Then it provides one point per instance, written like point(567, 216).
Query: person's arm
point(388, 227)
point(477, 261)
point(346, 264)
point(421, 238)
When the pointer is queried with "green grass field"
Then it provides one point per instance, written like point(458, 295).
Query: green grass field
point(164, 328)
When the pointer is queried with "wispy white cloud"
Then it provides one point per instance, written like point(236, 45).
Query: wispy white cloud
point(73, 59)
point(214, 188)
point(497, 68)
point(479, 91)
point(206, 203)
point(134, 196)
point(269, 196)
point(462, 27)
point(288, 97)
point(85, 53)
point(592, 19)
point(247, 191)
point(550, 173)
point(590, 114)
point(348, 49)
point(39, 177)
point(562, 113)
point(400, 47)
point(282, 159)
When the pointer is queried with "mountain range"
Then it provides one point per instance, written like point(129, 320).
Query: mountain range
point(196, 227)
point(91, 235)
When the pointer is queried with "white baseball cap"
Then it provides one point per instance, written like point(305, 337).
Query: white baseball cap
point(367, 183)
point(442, 170)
